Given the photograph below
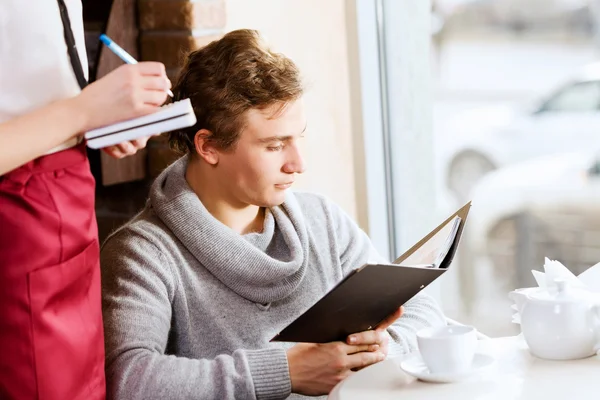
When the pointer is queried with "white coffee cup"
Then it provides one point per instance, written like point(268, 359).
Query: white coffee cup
point(447, 349)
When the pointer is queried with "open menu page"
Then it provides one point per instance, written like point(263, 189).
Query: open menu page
point(432, 253)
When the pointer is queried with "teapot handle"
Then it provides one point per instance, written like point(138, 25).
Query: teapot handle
point(595, 309)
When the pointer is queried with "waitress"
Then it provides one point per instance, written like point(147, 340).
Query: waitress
point(51, 338)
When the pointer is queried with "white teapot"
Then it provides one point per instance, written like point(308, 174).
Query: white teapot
point(562, 323)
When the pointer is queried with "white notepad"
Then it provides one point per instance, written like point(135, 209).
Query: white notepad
point(169, 117)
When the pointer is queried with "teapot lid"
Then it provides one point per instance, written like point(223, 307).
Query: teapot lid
point(564, 292)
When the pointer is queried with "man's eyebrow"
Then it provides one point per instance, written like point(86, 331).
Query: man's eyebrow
point(280, 138)
point(275, 139)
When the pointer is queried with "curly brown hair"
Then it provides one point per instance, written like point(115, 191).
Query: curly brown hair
point(226, 78)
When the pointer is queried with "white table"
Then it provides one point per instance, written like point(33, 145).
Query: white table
point(516, 375)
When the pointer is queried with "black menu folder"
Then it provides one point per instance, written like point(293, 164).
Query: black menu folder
point(372, 292)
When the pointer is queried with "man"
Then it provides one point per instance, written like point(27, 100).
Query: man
point(224, 256)
point(51, 342)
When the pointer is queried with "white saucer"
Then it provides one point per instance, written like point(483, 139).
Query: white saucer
point(415, 366)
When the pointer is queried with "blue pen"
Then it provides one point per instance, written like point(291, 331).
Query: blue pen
point(122, 54)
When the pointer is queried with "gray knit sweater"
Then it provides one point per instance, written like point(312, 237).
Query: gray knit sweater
point(190, 305)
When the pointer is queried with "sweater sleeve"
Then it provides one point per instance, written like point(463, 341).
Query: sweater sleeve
point(138, 290)
point(355, 249)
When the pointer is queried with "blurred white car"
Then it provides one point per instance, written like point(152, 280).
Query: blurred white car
point(520, 15)
point(528, 14)
point(565, 119)
point(547, 207)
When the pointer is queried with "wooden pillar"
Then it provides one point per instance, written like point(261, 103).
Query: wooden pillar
point(122, 28)
point(169, 29)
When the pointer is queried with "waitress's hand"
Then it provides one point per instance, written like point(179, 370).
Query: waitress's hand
point(129, 91)
point(125, 149)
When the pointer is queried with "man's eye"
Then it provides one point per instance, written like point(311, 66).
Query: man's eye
point(275, 148)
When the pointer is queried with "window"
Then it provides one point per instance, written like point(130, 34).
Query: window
point(393, 42)
point(414, 117)
point(579, 97)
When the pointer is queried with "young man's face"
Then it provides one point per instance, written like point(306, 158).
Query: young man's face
point(266, 158)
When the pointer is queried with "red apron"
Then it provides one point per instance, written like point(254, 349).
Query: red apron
point(51, 337)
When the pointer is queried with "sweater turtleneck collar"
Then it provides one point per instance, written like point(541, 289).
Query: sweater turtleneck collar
point(261, 267)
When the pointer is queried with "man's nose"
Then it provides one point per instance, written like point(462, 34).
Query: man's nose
point(295, 163)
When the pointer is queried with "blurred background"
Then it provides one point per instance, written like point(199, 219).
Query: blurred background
point(415, 107)
point(516, 119)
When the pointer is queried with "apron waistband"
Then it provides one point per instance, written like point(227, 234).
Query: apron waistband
point(49, 163)
point(66, 145)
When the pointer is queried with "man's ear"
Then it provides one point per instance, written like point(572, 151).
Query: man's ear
point(205, 148)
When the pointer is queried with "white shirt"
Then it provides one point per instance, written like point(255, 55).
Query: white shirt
point(35, 68)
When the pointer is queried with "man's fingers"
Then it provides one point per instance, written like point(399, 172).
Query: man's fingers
point(361, 348)
point(364, 359)
point(344, 349)
point(383, 325)
point(376, 336)
point(367, 337)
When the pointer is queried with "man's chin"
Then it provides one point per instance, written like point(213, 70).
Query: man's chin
point(274, 201)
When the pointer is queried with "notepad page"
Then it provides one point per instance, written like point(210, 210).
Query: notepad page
point(171, 110)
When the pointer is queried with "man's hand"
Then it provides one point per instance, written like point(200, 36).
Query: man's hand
point(316, 368)
point(126, 148)
point(378, 337)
